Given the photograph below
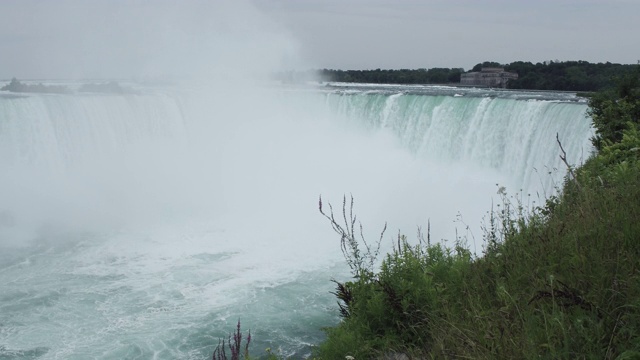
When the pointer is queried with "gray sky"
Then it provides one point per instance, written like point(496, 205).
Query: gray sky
point(145, 38)
point(362, 34)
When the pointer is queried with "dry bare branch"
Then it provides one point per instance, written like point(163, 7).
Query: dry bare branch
point(358, 261)
point(563, 156)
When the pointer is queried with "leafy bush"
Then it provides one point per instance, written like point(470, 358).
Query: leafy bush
point(615, 111)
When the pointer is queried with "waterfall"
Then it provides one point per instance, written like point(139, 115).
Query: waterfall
point(515, 137)
point(146, 224)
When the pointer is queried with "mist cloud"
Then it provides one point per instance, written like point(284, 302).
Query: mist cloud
point(139, 39)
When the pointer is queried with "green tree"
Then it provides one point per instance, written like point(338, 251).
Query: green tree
point(616, 110)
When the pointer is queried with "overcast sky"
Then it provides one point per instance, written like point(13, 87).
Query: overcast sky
point(459, 33)
point(138, 38)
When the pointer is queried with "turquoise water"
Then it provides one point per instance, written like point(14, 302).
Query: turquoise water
point(145, 225)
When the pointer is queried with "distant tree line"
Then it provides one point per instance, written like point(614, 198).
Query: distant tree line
point(567, 75)
point(548, 75)
point(402, 76)
point(17, 86)
point(563, 75)
point(111, 87)
point(377, 76)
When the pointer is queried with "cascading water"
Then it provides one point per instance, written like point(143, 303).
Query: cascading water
point(144, 225)
point(492, 131)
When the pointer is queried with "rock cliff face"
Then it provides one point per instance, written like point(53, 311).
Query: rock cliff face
point(489, 77)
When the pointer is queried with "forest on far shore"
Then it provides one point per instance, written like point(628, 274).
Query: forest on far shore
point(548, 75)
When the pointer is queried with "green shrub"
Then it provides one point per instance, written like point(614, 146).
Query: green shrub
point(614, 111)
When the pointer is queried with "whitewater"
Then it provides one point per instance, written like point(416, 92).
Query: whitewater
point(144, 225)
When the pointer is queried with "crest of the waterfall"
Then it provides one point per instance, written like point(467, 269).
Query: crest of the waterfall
point(251, 161)
point(513, 137)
